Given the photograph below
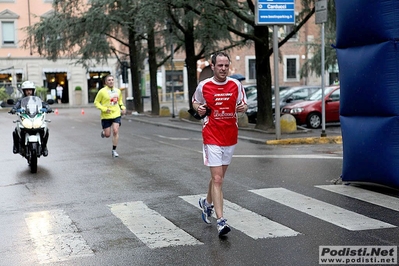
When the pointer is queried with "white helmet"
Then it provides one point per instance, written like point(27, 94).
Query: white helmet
point(28, 85)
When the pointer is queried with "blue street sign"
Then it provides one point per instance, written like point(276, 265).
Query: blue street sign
point(275, 12)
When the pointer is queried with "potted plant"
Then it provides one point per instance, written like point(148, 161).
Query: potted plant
point(3, 95)
point(78, 95)
point(41, 92)
point(92, 94)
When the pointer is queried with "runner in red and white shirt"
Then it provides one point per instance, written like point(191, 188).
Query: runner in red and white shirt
point(224, 97)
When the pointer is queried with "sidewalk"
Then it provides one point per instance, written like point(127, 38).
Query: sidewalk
point(250, 133)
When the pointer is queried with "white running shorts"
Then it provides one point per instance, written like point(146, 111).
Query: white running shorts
point(217, 155)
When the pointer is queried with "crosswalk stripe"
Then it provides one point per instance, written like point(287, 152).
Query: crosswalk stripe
point(324, 211)
point(55, 236)
point(150, 227)
point(364, 195)
point(246, 221)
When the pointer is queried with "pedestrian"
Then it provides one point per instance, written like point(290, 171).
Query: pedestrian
point(110, 102)
point(220, 98)
point(59, 89)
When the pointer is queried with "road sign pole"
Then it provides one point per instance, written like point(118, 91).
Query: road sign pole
point(275, 12)
point(276, 87)
point(321, 18)
point(323, 103)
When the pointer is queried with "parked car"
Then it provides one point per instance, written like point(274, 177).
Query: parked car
point(287, 95)
point(250, 89)
point(309, 111)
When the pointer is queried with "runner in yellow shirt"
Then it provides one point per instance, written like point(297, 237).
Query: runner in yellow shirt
point(109, 101)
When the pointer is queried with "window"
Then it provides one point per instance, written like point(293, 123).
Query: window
point(8, 32)
point(250, 68)
point(335, 96)
point(291, 68)
point(7, 27)
point(288, 29)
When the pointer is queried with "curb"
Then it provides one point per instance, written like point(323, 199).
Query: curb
point(289, 141)
point(311, 140)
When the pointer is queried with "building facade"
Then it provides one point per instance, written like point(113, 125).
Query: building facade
point(18, 64)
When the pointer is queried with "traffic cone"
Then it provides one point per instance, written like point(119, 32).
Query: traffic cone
point(82, 112)
point(56, 111)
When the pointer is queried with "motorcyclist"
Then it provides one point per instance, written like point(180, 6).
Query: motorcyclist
point(28, 88)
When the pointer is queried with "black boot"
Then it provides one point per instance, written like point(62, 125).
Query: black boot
point(15, 148)
point(44, 145)
point(45, 151)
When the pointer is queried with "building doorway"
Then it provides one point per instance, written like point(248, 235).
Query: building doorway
point(95, 83)
point(51, 82)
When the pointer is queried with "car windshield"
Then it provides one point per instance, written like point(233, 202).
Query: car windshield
point(252, 94)
point(283, 92)
point(316, 96)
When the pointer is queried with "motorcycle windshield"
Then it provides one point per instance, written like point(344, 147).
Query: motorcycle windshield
point(31, 105)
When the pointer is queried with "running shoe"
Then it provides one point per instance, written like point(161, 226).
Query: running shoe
point(114, 153)
point(206, 211)
point(223, 227)
point(102, 134)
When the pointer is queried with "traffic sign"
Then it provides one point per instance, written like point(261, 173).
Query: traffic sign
point(273, 12)
point(321, 11)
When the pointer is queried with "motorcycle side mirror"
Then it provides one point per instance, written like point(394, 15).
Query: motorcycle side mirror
point(50, 101)
point(10, 101)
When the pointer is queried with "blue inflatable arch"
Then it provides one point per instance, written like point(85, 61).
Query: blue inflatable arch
point(368, 57)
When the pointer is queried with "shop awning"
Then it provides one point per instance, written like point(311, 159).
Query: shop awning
point(98, 70)
point(55, 70)
point(12, 71)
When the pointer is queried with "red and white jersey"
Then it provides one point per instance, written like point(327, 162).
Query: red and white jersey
point(220, 127)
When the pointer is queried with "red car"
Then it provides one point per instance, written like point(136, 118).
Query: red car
point(309, 111)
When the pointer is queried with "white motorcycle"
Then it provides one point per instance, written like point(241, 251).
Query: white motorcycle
point(31, 129)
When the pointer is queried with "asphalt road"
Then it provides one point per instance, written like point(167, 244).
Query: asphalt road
point(84, 207)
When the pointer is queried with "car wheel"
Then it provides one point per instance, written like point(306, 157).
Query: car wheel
point(313, 120)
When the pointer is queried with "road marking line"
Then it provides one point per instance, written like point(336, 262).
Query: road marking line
point(174, 138)
point(324, 211)
point(55, 236)
point(292, 156)
point(150, 227)
point(246, 221)
point(364, 195)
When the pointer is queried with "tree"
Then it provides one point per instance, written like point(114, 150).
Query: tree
point(313, 65)
point(200, 28)
point(237, 18)
point(262, 39)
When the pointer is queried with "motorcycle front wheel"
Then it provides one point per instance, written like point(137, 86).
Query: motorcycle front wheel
point(33, 158)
